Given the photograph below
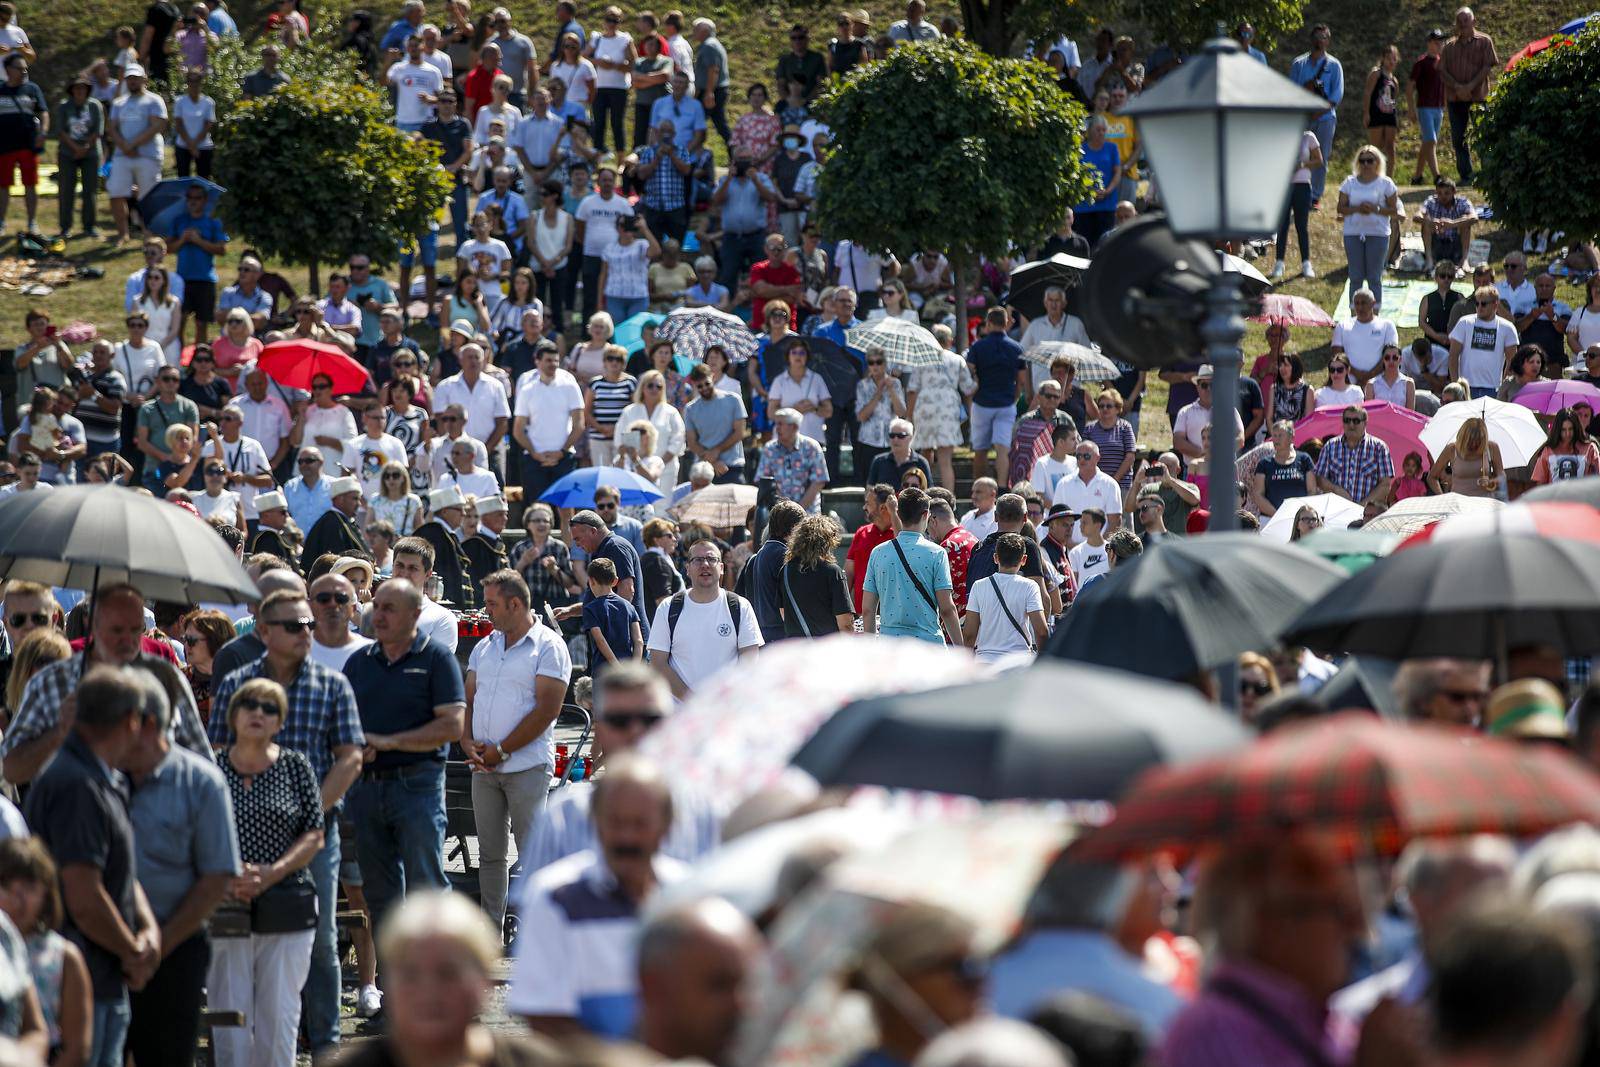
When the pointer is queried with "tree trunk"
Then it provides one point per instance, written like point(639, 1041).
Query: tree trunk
point(988, 24)
point(958, 268)
point(315, 282)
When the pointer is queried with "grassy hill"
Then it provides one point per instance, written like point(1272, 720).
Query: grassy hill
point(70, 33)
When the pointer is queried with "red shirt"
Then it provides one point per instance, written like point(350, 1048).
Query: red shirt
point(958, 545)
point(478, 87)
point(862, 543)
point(779, 273)
point(148, 645)
point(1425, 76)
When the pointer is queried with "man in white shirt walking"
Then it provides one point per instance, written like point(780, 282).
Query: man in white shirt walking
point(695, 633)
point(1090, 487)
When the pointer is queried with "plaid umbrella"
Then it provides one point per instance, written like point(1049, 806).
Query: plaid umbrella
point(1372, 785)
point(1579, 522)
point(693, 330)
point(904, 343)
point(717, 506)
point(1088, 364)
point(1415, 513)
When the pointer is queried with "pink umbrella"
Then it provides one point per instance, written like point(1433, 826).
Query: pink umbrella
point(1550, 396)
point(1291, 310)
point(1399, 428)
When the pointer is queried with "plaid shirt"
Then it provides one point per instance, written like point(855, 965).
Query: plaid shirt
point(1355, 470)
point(794, 469)
point(322, 712)
point(41, 703)
point(667, 190)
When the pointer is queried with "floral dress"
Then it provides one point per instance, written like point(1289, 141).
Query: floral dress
point(939, 411)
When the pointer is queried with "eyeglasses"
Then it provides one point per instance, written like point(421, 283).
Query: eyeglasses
point(20, 619)
point(251, 704)
point(1259, 689)
point(898, 435)
point(1337, 369)
point(292, 626)
point(609, 505)
point(1391, 359)
point(653, 387)
point(168, 379)
point(138, 324)
point(309, 461)
point(1366, 159)
point(405, 363)
point(1202, 385)
point(1486, 303)
point(449, 418)
point(875, 362)
point(394, 477)
point(1464, 696)
point(333, 598)
point(361, 266)
point(1106, 407)
point(216, 472)
point(704, 561)
point(1355, 422)
point(968, 970)
point(203, 359)
point(318, 387)
point(1309, 520)
point(1086, 455)
point(623, 720)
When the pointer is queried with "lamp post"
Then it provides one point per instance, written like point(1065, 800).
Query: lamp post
point(1223, 137)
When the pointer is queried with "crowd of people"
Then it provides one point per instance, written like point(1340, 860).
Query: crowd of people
point(229, 822)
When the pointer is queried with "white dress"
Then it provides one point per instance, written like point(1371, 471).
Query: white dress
point(162, 317)
point(940, 409)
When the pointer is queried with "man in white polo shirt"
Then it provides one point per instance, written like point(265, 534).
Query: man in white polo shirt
point(1362, 338)
point(547, 423)
point(482, 399)
point(1090, 487)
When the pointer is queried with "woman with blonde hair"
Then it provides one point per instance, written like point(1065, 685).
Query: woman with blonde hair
point(652, 405)
point(636, 452)
point(814, 595)
point(394, 501)
point(1368, 201)
point(1258, 683)
point(39, 649)
point(1469, 465)
point(588, 360)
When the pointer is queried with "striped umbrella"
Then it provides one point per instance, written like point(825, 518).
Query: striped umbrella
point(904, 343)
point(1088, 364)
point(693, 330)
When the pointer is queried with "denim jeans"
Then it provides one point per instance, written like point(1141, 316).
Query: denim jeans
point(111, 1019)
point(399, 820)
point(319, 1000)
point(623, 308)
point(1323, 128)
point(1365, 256)
point(460, 214)
point(1298, 210)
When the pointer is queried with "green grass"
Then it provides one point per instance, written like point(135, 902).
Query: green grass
point(69, 33)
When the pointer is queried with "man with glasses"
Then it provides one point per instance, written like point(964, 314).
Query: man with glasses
point(249, 470)
point(265, 416)
point(1193, 420)
point(24, 121)
point(164, 410)
point(368, 454)
point(1453, 692)
point(774, 278)
point(308, 326)
point(1517, 292)
point(450, 427)
point(247, 295)
point(1054, 325)
point(391, 353)
point(793, 461)
point(1481, 345)
point(271, 528)
point(307, 492)
point(1362, 338)
point(547, 423)
point(591, 534)
point(323, 725)
point(665, 168)
point(801, 63)
point(1032, 438)
point(889, 468)
point(1356, 465)
point(198, 239)
point(333, 605)
point(1089, 487)
point(700, 630)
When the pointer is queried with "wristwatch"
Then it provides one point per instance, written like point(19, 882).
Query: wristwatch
point(500, 752)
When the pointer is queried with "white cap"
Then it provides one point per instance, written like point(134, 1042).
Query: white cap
point(346, 564)
point(463, 327)
point(269, 500)
point(491, 505)
point(133, 70)
point(447, 497)
point(341, 486)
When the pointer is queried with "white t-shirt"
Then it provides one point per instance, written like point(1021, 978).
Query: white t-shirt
point(1363, 341)
point(548, 408)
point(1518, 299)
point(859, 269)
point(438, 624)
point(441, 62)
point(1585, 328)
point(1088, 560)
point(1483, 349)
point(193, 116)
point(1302, 173)
point(1047, 471)
point(247, 456)
point(599, 215)
point(1377, 193)
point(996, 636)
point(615, 49)
point(1193, 419)
point(1327, 396)
point(224, 505)
point(366, 458)
point(478, 483)
point(487, 114)
point(703, 641)
point(336, 422)
point(788, 392)
point(333, 657)
point(483, 403)
point(139, 365)
point(577, 78)
point(980, 525)
point(1394, 394)
point(439, 462)
point(413, 81)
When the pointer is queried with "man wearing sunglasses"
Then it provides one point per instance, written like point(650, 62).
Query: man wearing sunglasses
point(161, 411)
point(1481, 345)
point(1355, 465)
point(442, 532)
point(27, 606)
point(333, 606)
point(272, 521)
point(307, 492)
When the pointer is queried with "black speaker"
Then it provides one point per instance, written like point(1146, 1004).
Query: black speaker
point(1143, 294)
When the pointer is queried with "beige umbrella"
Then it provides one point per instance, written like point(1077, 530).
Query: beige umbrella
point(1416, 512)
point(718, 506)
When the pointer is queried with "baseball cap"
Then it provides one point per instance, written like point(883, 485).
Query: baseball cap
point(133, 70)
point(1204, 374)
point(1436, 34)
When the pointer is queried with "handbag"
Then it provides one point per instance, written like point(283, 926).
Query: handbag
point(286, 908)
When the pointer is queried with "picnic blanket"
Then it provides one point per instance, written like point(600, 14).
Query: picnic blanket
point(1402, 300)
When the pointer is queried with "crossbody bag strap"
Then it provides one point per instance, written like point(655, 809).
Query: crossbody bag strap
point(994, 583)
point(788, 593)
point(926, 596)
point(1268, 1017)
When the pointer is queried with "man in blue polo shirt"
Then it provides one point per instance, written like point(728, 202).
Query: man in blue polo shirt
point(412, 704)
point(908, 581)
point(687, 115)
point(996, 362)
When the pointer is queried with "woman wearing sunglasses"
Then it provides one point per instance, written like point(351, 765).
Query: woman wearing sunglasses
point(1368, 201)
point(204, 632)
point(1340, 390)
point(394, 502)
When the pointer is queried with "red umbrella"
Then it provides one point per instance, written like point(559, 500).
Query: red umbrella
point(295, 363)
point(1577, 522)
point(1555, 40)
point(1399, 428)
point(1371, 785)
point(1291, 310)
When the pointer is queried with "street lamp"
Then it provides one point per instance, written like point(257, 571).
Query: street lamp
point(1223, 136)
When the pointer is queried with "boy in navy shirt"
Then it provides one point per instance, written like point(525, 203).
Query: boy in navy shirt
point(610, 622)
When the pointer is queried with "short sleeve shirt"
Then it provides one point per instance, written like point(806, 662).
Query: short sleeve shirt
point(132, 115)
point(713, 420)
point(902, 610)
point(184, 830)
point(396, 696)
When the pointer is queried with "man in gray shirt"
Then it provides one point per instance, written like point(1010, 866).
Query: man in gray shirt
point(711, 77)
point(715, 424)
point(742, 198)
point(516, 56)
point(187, 854)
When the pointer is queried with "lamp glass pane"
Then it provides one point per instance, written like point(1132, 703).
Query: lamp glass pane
point(1260, 151)
point(1183, 154)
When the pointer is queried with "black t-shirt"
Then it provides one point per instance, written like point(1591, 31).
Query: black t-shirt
point(1285, 481)
point(620, 552)
point(380, 358)
point(886, 471)
point(819, 593)
point(1436, 311)
point(846, 54)
point(453, 137)
point(214, 394)
point(1551, 338)
point(20, 108)
point(161, 17)
point(1250, 401)
point(1072, 244)
point(1182, 394)
point(981, 564)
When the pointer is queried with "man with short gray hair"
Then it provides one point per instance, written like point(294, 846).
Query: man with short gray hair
point(1453, 692)
point(1054, 325)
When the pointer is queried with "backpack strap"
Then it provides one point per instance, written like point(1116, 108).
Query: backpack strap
point(732, 600)
point(675, 610)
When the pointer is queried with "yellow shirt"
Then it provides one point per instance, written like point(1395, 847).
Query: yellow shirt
point(1124, 133)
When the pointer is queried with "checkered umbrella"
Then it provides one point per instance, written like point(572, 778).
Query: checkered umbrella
point(904, 343)
point(1372, 785)
point(1088, 364)
point(718, 506)
point(693, 330)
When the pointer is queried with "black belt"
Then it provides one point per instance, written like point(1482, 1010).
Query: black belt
point(394, 774)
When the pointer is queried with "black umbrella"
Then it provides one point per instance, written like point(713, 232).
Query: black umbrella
point(1474, 597)
point(838, 368)
point(1568, 491)
point(87, 536)
point(1191, 604)
point(1029, 282)
point(1363, 682)
point(1057, 731)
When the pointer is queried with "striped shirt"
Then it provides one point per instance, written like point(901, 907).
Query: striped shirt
point(566, 827)
point(609, 400)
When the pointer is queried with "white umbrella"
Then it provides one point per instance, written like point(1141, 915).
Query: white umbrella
point(1416, 512)
point(1511, 426)
point(1337, 513)
point(1088, 364)
point(904, 343)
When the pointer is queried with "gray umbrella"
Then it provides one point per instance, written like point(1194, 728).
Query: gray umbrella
point(86, 536)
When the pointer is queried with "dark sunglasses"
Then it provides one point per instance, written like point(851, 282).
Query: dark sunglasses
point(20, 619)
point(251, 704)
point(1337, 369)
point(309, 461)
point(898, 435)
point(394, 477)
point(1259, 689)
point(626, 720)
point(218, 471)
point(333, 598)
point(1486, 303)
point(192, 639)
point(293, 626)
point(405, 363)
point(1355, 422)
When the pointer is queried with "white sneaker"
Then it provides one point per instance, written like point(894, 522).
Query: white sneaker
point(1277, 272)
point(1306, 269)
point(369, 1001)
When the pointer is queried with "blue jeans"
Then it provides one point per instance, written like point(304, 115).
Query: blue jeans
point(459, 213)
point(1323, 129)
point(399, 820)
point(111, 1019)
point(1479, 392)
point(319, 1000)
point(623, 308)
point(1365, 256)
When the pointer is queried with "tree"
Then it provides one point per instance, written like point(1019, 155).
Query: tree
point(1192, 23)
point(316, 173)
point(1534, 108)
point(1000, 26)
point(943, 147)
point(318, 61)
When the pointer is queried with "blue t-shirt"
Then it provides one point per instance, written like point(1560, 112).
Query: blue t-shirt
point(626, 560)
point(1104, 160)
point(995, 360)
point(399, 696)
point(614, 617)
point(195, 264)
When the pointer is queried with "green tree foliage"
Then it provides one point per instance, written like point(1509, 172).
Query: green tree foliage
point(317, 62)
point(1000, 26)
point(314, 173)
point(944, 147)
point(1191, 23)
point(1540, 104)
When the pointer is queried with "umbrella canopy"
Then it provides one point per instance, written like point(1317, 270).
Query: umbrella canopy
point(1399, 428)
point(838, 368)
point(737, 733)
point(84, 536)
point(1030, 280)
point(1578, 490)
point(1291, 311)
point(296, 363)
point(1533, 48)
point(1579, 24)
point(1576, 521)
point(1057, 731)
point(1415, 513)
point(906, 344)
point(1251, 281)
point(1201, 600)
point(693, 330)
point(1336, 511)
point(1548, 396)
point(718, 506)
point(1471, 598)
point(1510, 426)
point(630, 331)
point(1088, 364)
point(1371, 786)
point(164, 203)
point(1352, 550)
point(576, 490)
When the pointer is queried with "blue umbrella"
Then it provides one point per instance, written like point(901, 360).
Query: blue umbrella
point(630, 332)
point(163, 204)
point(1576, 26)
point(576, 490)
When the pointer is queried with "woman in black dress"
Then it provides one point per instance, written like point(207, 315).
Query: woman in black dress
point(661, 577)
point(815, 597)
